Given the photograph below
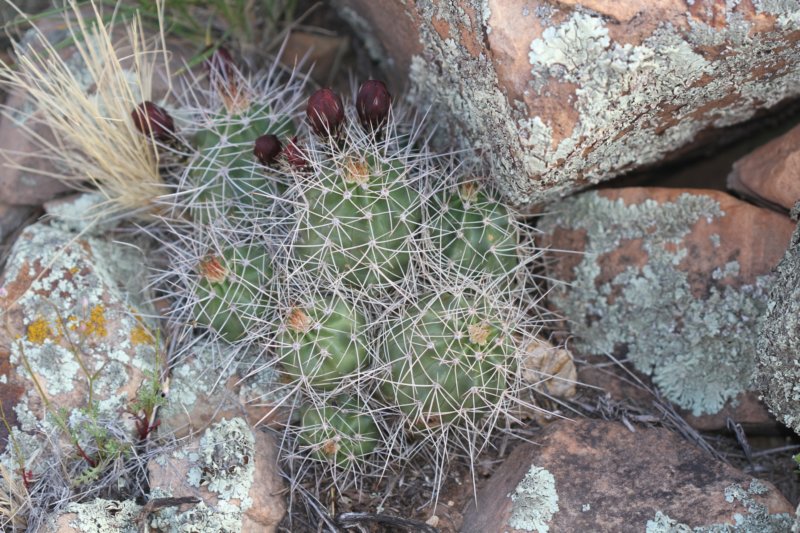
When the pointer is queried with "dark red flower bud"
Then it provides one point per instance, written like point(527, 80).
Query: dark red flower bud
point(373, 103)
point(220, 63)
point(154, 120)
point(294, 154)
point(267, 148)
point(325, 112)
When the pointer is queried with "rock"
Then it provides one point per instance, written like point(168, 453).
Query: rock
point(12, 217)
point(595, 475)
point(233, 469)
point(75, 213)
point(69, 307)
point(99, 516)
point(744, 409)
point(779, 340)
point(28, 177)
point(557, 95)
point(321, 52)
point(673, 280)
point(772, 172)
point(212, 381)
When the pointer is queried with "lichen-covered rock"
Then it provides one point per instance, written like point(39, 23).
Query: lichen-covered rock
point(233, 469)
point(779, 340)
point(771, 173)
point(595, 475)
point(213, 381)
point(556, 95)
point(99, 516)
point(69, 307)
point(675, 280)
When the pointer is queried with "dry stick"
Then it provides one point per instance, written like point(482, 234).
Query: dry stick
point(348, 520)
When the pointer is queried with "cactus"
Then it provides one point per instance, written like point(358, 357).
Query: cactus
point(323, 344)
point(359, 218)
point(224, 170)
point(475, 233)
point(449, 360)
point(233, 291)
point(339, 435)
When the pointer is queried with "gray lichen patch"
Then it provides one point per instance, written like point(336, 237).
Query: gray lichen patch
point(200, 518)
point(225, 462)
point(620, 91)
point(102, 516)
point(535, 501)
point(757, 518)
point(779, 340)
point(699, 350)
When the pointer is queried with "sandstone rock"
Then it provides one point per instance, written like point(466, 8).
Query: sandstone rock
point(594, 475)
point(11, 218)
point(211, 382)
point(555, 95)
point(674, 280)
point(70, 307)
point(321, 52)
point(779, 340)
point(772, 172)
point(233, 469)
point(28, 174)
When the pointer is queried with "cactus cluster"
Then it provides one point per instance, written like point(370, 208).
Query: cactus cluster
point(388, 291)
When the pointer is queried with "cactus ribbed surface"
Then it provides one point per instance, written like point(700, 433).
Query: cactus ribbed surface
point(224, 170)
point(449, 359)
point(341, 435)
point(359, 221)
point(475, 233)
point(233, 291)
point(323, 344)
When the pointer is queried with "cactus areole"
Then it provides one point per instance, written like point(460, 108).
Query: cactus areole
point(359, 221)
point(232, 290)
point(323, 344)
point(449, 359)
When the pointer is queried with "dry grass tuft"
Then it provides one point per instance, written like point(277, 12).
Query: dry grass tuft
point(94, 143)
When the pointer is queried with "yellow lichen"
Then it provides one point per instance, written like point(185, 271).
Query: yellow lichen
point(141, 335)
point(96, 324)
point(39, 331)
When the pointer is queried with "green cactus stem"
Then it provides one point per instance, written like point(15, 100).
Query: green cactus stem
point(360, 219)
point(324, 343)
point(449, 359)
point(233, 290)
point(338, 434)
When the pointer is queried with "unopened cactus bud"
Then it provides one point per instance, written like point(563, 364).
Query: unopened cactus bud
point(373, 103)
point(153, 120)
point(325, 112)
point(267, 148)
point(294, 154)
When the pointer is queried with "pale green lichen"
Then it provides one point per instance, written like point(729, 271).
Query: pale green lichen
point(779, 340)
point(757, 518)
point(201, 518)
point(225, 463)
point(535, 501)
point(698, 350)
point(666, 70)
point(103, 516)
